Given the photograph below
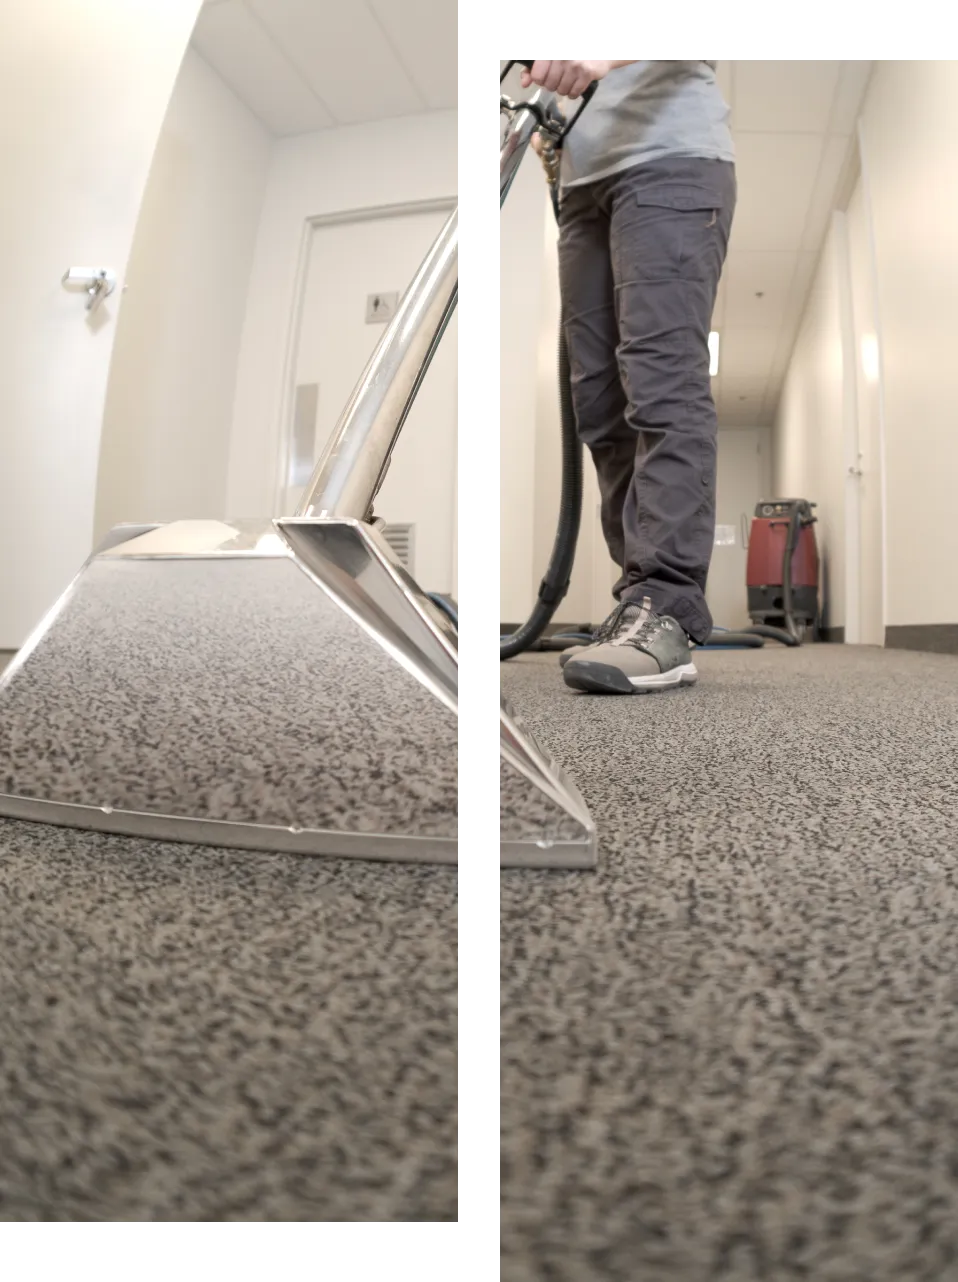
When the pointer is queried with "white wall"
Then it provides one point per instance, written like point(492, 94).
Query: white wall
point(908, 133)
point(83, 91)
point(910, 199)
point(166, 430)
point(358, 167)
point(521, 330)
point(809, 430)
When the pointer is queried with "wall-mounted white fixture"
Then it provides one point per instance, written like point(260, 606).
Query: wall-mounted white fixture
point(713, 352)
point(97, 282)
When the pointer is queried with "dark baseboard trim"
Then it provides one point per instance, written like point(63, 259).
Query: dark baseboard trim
point(935, 638)
point(506, 629)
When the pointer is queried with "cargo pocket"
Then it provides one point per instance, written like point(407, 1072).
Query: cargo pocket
point(669, 232)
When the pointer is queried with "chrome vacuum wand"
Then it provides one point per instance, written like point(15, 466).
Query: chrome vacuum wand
point(537, 113)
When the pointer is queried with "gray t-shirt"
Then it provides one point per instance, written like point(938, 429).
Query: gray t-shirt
point(644, 112)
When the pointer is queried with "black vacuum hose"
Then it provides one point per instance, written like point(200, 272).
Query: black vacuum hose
point(556, 582)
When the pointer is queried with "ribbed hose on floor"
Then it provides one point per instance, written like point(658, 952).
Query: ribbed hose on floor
point(556, 582)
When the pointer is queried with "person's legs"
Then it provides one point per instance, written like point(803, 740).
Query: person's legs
point(669, 225)
point(669, 229)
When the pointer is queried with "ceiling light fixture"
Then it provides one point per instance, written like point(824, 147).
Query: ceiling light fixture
point(713, 352)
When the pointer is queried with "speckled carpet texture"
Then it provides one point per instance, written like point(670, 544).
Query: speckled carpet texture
point(731, 1054)
point(206, 1035)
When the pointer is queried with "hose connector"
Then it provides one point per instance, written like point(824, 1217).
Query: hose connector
point(549, 155)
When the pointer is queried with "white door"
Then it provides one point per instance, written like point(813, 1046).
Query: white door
point(349, 264)
point(83, 91)
point(744, 477)
point(868, 540)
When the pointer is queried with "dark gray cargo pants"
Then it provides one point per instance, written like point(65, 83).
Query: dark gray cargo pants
point(640, 256)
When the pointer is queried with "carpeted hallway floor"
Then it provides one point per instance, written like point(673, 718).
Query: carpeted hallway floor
point(205, 1035)
point(732, 1052)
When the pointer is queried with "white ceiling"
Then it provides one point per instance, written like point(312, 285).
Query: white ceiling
point(794, 125)
point(302, 65)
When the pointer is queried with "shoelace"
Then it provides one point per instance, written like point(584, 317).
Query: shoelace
point(609, 626)
point(617, 624)
point(646, 632)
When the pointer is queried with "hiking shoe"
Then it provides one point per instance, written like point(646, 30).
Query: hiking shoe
point(602, 633)
point(572, 651)
point(635, 651)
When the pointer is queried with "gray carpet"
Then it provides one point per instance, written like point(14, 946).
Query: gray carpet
point(732, 1053)
point(201, 1035)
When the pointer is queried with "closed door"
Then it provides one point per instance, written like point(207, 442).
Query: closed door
point(744, 477)
point(356, 272)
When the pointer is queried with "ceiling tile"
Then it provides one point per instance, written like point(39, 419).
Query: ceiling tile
point(744, 416)
point(747, 354)
point(425, 37)
point(789, 173)
point(741, 415)
point(852, 86)
point(747, 276)
point(834, 156)
point(776, 182)
point(805, 268)
point(742, 390)
point(344, 56)
point(785, 97)
point(235, 45)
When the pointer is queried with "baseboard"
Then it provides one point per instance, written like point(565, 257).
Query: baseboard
point(936, 638)
point(506, 629)
point(833, 636)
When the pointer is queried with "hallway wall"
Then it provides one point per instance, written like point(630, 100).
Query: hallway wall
point(908, 131)
point(911, 204)
point(808, 436)
point(522, 310)
point(166, 431)
point(84, 89)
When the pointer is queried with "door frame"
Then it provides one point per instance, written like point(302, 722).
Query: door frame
point(368, 213)
point(857, 173)
point(851, 407)
point(879, 370)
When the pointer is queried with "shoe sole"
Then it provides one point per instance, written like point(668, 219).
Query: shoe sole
point(603, 678)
